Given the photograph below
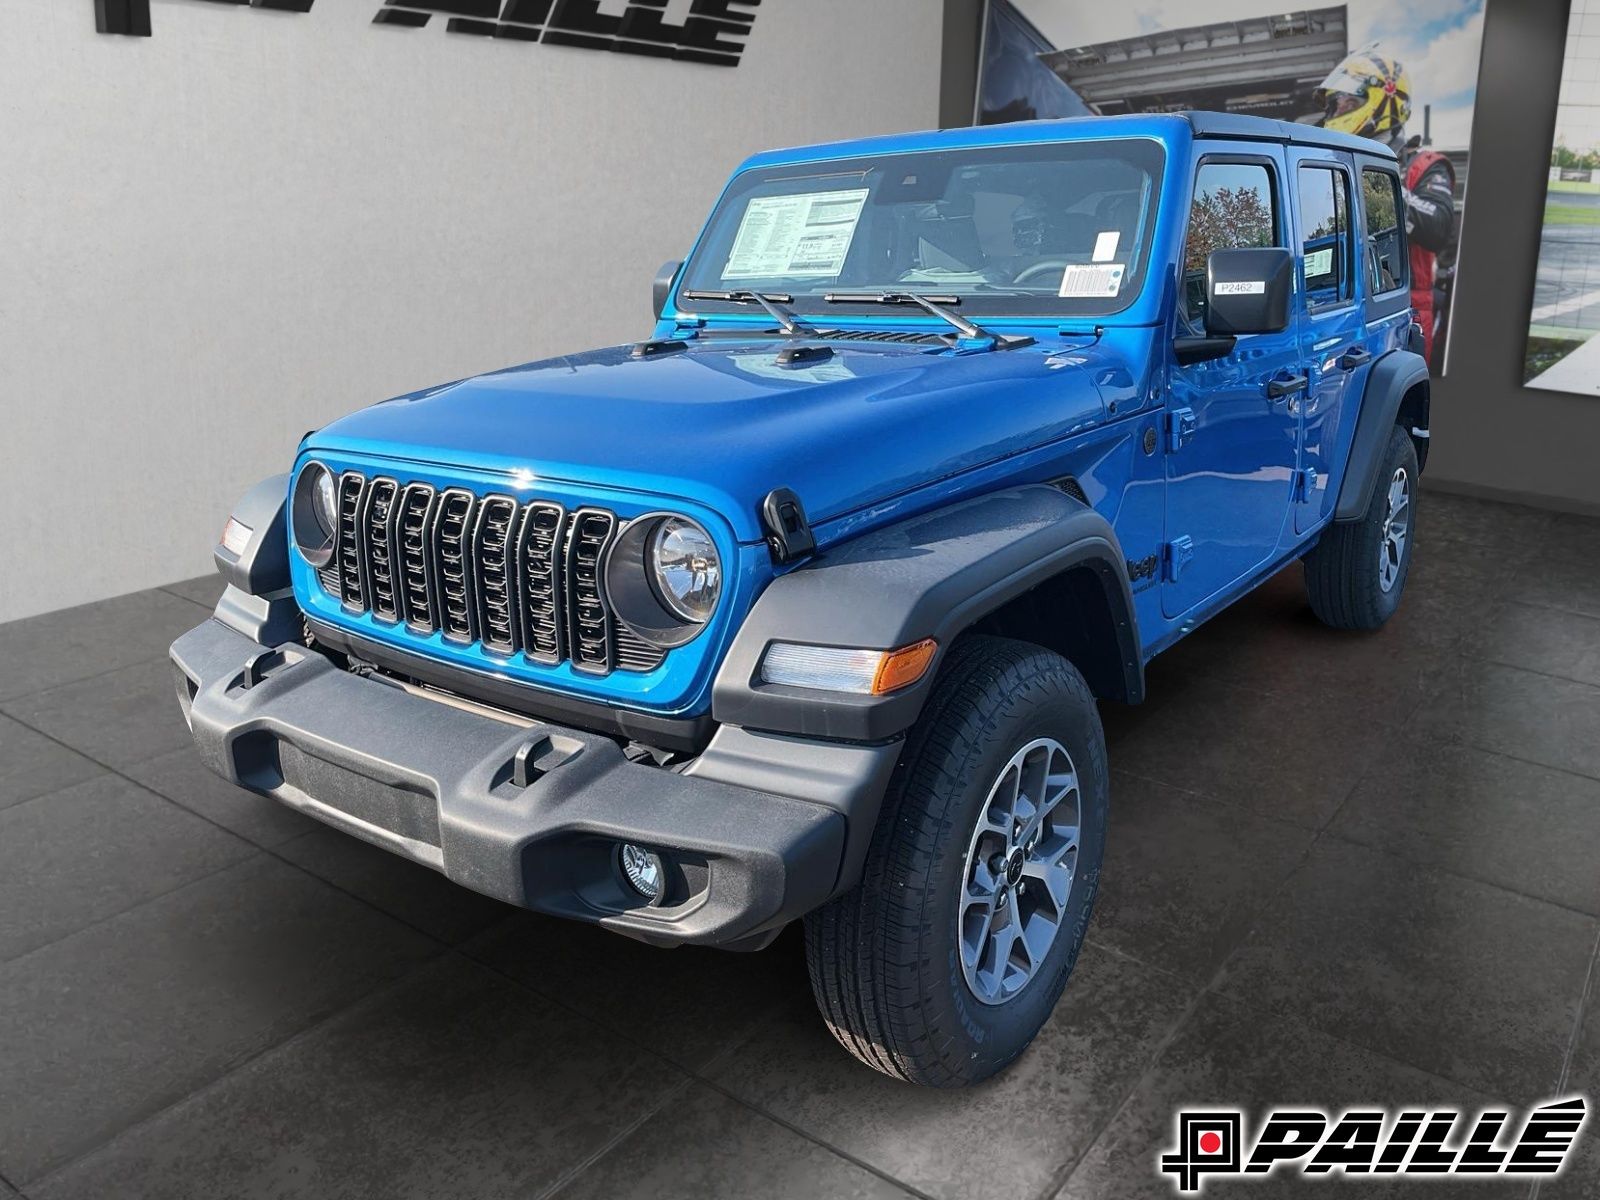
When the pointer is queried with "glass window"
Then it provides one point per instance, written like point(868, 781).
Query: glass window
point(1049, 230)
point(1235, 207)
point(1325, 226)
point(1383, 206)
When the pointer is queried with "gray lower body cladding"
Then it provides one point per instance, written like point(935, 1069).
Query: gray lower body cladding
point(758, 830)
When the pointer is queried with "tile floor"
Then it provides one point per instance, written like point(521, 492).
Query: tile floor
point(1341, 869)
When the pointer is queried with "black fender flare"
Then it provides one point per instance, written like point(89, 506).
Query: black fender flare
point(263, 565)
point(931, 575)
point(258, 601)
point(1391, 377)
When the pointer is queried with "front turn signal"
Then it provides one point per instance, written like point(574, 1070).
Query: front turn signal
point(903, 667)
point(840, 669)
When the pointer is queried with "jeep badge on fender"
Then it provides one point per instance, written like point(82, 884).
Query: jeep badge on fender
point(801, 607)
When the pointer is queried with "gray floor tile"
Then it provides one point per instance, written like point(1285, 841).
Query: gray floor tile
point(1582, 1176)
point(203, 589)
point(74, 643)
point(1524, 827)
point(1450, 975)
point(7, 1192)
point(1561, 579)
point(107, 1027)
point(182, 778)
point(457, 1083)
point(1283, 755)
point(1379, 676)
point(120, 718)
point(1554, 722)
point(706, 1145)
point(1449, 587)
point(1185, 877)
point(689, 1004)
point(1011, 1136)
point(1230, 1055)
point(421, 898)
point(31, 764)
point(80, 855)
point(1443, 516)
point(1550, 641)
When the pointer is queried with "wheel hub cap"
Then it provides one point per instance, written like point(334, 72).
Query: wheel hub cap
point(1019, 870)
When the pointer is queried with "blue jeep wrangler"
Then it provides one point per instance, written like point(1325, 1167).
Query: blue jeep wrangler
point(802, 607)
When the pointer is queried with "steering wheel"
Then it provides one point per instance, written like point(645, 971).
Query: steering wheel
point(1040, 268)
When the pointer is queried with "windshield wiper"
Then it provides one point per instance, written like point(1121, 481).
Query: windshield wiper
point(929, 304)
point(773, 303)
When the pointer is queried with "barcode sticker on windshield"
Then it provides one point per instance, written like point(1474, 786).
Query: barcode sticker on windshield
point(1096, 283)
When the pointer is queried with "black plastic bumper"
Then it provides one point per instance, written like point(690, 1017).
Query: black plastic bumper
point(533, 814)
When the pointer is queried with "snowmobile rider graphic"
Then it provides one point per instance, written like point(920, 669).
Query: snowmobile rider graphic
point(1369, 94)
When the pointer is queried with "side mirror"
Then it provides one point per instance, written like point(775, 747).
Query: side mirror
point(1249, 291)
point(662, 288)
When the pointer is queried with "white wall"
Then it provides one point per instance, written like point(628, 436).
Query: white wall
point(219, 237)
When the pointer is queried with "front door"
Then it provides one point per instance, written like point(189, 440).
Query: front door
point(1332, 324)
point(1233, 438)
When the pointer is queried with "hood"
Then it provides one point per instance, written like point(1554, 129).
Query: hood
point(722, 423)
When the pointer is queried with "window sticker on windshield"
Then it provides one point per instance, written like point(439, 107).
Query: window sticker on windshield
point(804, 235)
point(1097, 283)
point(1105, 246)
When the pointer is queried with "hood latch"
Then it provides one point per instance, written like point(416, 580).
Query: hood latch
point(788, 532)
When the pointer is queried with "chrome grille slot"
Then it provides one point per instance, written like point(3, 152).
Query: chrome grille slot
point(492, 556)
point(591, 625)
point(452, 525)
point(352, 588)
point(377, 526)
point(539, 582)
point(512, 577)
point(411, 534)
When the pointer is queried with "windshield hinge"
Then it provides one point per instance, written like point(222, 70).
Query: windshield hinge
point(783, 518)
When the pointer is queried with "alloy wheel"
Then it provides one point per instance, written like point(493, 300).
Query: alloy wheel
point(1019, 871)
point(1396, 528)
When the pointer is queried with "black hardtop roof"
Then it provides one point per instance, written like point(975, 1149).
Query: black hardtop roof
point(1264, 129)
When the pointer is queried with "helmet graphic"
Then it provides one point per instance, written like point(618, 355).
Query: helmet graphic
point(1368, 94)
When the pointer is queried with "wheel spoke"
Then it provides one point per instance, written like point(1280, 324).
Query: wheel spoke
point(1055, 878)
point(1019, 871)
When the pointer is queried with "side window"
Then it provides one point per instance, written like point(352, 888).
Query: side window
point(1325, 226)
point(1383, 207)
point(1235, 207)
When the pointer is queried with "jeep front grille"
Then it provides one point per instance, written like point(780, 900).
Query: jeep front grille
point(513, 578)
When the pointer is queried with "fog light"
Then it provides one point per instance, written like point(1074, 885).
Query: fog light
point(643, 870)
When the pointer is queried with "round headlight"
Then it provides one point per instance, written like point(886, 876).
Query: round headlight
point(314, 514)
point(685, 569)
point(325, 502)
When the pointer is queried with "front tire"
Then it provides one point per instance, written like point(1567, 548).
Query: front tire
point(1356, 573)
point(947, 960)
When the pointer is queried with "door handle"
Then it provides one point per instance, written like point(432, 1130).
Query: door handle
point(1279, 389)
point(1356, 356)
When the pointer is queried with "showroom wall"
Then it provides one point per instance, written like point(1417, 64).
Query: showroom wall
point(1491, 435)
point(220, 236)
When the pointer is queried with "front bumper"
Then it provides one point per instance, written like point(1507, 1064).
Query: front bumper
point(532, 813)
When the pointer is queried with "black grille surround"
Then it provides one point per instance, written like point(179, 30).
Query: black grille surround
point(514, 578)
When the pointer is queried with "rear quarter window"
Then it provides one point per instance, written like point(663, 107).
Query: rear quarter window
point(1383, 207)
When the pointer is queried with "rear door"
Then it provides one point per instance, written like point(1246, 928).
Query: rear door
point(1332, 321)
point(1232, 446)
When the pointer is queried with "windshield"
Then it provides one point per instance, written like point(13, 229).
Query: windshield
point(1054, 230)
